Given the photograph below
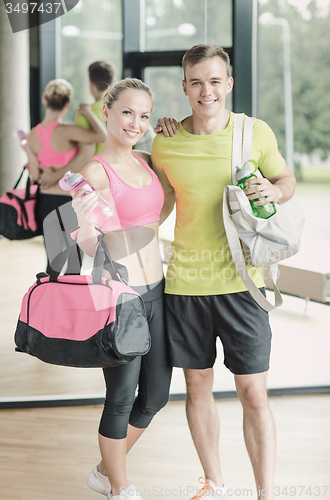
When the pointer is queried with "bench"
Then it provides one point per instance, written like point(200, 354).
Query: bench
point(310, 285)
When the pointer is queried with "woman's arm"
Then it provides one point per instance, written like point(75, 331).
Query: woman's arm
point(83, 205)
point(169, 201)
point(168, 206)
point(34, 166)
point(51, 175)
point(79, 134)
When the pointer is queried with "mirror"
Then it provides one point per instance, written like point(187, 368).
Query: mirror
point(300, 337)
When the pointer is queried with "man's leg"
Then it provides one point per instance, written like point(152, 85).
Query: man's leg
point(259, 430)
point(203, 421)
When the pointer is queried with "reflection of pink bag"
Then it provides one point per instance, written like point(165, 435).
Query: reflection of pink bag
point(17, 212)
point(83, 321)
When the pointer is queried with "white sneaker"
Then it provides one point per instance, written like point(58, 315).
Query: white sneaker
point(126, 493)
point(210, 491)
point(97, 482)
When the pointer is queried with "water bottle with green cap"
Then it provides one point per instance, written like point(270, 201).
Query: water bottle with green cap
point(243, 174)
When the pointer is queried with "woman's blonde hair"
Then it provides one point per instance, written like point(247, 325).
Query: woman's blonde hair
point(58, 93)
point(114, 91)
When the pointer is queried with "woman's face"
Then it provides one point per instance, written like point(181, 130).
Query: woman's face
point(128, 118)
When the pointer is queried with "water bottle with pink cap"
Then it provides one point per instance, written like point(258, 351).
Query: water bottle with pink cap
point(74, 182)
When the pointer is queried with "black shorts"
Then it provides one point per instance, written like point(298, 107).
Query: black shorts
point(194, 322)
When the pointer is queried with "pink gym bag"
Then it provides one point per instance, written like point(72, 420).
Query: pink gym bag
point(17, 211)
point(83, 321)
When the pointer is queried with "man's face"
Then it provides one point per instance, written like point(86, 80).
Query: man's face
point(207, 85)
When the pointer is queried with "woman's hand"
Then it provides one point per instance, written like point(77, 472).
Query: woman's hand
point(83, 204)
point(84, 109)
point(167, 125)
point(50, 176)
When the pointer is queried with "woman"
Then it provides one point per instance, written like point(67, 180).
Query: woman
point(132, 188)
point(54, 145)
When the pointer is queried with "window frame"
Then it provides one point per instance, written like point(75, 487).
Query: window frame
point(242, 53)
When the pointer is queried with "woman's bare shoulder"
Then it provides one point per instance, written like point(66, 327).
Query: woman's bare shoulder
point(95, 173)
point(144, 155)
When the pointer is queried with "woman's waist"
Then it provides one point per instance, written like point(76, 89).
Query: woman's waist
point(140, 273)
point(139, 253)
point(134, 240)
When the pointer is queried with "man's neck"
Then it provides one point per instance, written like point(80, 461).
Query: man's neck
point(98, 97)
point(206, 126)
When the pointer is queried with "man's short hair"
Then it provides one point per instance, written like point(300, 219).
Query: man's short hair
point(102, 74)
point(201, 52)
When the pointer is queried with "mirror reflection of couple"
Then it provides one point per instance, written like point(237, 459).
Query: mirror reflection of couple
point(190, 164)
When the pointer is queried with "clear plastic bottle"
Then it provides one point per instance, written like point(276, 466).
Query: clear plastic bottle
point(21, 135)
point(243, 174)
point(75, 182)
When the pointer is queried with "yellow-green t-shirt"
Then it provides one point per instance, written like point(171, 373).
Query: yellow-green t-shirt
point(82, 121)
point(197, 168)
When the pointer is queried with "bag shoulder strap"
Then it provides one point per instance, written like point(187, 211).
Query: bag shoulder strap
point(236, 157)
point(247, 139)
point(242, 142)
point(242, 149)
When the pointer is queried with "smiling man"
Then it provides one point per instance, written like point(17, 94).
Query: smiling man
point(204, 296)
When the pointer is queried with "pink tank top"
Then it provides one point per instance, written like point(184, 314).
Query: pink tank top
point(134, 206)
point(48, 157)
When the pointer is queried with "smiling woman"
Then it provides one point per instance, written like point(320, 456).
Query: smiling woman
point(132, 114)
point(136, 196)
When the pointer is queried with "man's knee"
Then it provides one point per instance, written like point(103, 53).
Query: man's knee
point(252, 391)
point(199, 382)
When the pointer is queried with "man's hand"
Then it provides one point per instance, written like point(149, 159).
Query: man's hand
point(167, 125)
point(277, 189)
point(262, 188)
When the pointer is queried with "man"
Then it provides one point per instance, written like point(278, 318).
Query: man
point(101, 75)
point(205, 297)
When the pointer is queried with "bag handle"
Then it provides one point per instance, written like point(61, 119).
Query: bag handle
point(21, 175)
point(239, 261)
point(103, 260)
point(28, 182)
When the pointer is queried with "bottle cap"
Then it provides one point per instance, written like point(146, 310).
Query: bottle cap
point(242, 172)
point(246, 169)
point(73, 179)
point(69, 180)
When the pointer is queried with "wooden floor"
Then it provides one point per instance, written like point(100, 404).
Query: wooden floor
point(300, 347)
point(47, 453)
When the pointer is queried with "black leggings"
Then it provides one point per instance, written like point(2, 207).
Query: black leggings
point(151, 372)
